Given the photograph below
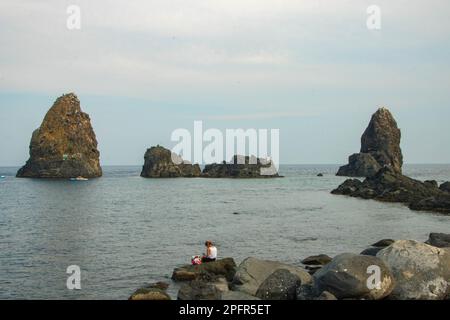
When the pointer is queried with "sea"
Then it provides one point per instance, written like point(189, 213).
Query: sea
point(124, 231)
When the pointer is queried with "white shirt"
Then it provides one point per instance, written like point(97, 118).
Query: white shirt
point(212, 252)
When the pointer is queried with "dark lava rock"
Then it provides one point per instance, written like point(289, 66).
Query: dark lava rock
point(321, 259)
point(383, 243)
point(155, 291)
point(64, 146)
point(390, 186)
point(280, 285)
point(205, 287)
point(440, 240)
point(223, 267)
point(380, 147)
point(162, 163)
point(346, 278)
point(372, 251)
point(241, 167)
point(445, 186)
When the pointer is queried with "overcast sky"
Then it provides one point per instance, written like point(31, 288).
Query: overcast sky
point(309, 68)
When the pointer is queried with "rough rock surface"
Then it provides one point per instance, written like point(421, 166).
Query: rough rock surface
point(280, 285)
point(383, 243)
point(421, 271)
point(156, 291)
point(440, 240)
point(326, 296)
point(252, 272)
point(237, 295)
point(205, 287)
point(159, 163)
point(222, 267)
point(241, 167)
point(445, 186)
point(64, 146)
point(346, 277)
point(380, 147)
point(388, 185)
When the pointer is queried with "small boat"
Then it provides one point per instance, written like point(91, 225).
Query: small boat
point(79, 179)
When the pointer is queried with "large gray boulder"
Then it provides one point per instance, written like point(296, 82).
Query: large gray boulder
point(421, 271)
point(206, 287)
point(280, 285)
point(348, 276)
point(252, 272)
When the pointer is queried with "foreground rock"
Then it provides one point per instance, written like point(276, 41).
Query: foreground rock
point(162, 163)
point(241, 167)
point(156, 291)
point(445, 186)
point(388, 185)
point(204, 287)
point(421, 271)
point(440, 240)
point(252, 272)
point(64, 146)
point(223, 267)
point(380, 147)
point(280, 285)
point(346, 277)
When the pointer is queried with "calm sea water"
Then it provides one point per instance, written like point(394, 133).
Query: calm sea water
point(125, 231)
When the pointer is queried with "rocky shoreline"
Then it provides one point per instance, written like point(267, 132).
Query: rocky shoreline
point(389, 269)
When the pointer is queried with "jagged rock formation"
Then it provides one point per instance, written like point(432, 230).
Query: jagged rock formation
point(64, 146)
point(380, 146)
point(162, 163)
point(391, 186)
point(241, 167)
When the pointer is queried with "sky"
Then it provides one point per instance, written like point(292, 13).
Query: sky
point(311, 69)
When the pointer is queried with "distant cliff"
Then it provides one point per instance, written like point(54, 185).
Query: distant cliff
point(64, 146)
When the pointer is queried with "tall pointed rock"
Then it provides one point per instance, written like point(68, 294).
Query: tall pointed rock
point(380, 147)
point(64, 146)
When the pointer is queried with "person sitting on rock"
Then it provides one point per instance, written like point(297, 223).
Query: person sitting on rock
point(211, 252)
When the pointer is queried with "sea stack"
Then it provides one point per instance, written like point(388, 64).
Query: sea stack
point(159, 164)
point(380, 147)
point(64, 146)
point(241, 167)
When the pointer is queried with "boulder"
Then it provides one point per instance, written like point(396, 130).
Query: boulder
point(431, 183)
point(320, 259)
point(162, 163)
point(252, 272)
point(390, 186)
point(156, 291)
point(280, 285)
point(441, 240)
point(64, 146)
point(222, 267)
point(380, 147)
point(421, 271)
point(241, 167)
point(347, 277)
point(205, 287)
point(445, 186)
